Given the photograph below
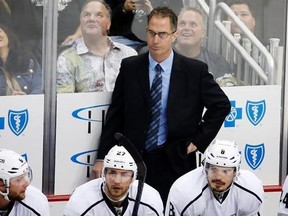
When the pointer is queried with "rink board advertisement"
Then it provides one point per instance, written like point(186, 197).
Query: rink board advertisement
point(254, 122)
point(21, 130)
point(79, 123)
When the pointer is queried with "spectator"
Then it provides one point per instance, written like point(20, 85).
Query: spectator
point(175, 5)
point(218, 188)
point(5, 13)
point(191, 33)
point(20, 73)
point(125, 14)
point(129, 19)
point(180, 127)
point(92, 63)
point(244, 11)
point(283, 207)
point(17, 196)
point(68, 21)
point(115, 193)
point(27, 22)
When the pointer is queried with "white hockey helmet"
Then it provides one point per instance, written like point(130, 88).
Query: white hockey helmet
point(223, 153)
point(119, 158)
point(12, 165)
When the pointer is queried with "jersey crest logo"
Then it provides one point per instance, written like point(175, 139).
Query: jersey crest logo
point(255, 111)
point(254, 155)
point(17, 121)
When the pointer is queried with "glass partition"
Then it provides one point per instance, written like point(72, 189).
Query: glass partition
point(31, 67)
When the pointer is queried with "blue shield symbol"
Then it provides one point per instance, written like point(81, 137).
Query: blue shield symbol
point(255, 111)
point(254, 155)
point(17, 121)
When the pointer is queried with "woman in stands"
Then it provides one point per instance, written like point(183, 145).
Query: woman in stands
point(20, 73)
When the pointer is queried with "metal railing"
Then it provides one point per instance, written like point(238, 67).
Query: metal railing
point(252, 62)
point(201, 4)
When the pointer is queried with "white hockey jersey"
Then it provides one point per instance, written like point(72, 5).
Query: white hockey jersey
point(283, 205)
point(190, 195)
point(35, 203)
point(89, 200)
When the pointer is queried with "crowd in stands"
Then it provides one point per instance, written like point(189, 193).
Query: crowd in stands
point(121, 46)
point(127, 25)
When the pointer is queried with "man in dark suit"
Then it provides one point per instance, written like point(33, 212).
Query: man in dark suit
point(187, 88)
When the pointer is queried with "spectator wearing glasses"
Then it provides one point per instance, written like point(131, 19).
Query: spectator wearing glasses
point(115, 192)
point(17, 196)
point(183, 87)
point(217, 188)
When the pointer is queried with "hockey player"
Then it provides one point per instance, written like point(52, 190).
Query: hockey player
point(17, 196)
point(114, 193)
point(217, 188)
point(283, 205)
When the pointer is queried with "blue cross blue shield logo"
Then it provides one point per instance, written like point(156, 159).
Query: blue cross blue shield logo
point(235, 114)
point(254, 155)
point(255, 111)
point(17, 121)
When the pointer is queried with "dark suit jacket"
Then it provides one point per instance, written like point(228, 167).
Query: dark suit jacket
point(191, 89)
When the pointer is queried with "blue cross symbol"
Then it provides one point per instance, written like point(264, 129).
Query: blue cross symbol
point(235, 114)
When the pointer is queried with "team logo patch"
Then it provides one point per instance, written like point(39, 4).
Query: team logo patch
point(17, 121)
point(254, 155)
point(255, 111)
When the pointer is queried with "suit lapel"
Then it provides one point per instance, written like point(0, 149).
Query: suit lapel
point(143, 75)
point(175, 80)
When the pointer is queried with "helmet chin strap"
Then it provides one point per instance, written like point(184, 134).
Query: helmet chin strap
point(5, 195)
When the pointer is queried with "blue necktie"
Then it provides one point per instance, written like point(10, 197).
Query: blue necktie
point(155, 97)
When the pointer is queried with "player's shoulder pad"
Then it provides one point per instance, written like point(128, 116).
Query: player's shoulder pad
point(190, 184)
point(250, 181)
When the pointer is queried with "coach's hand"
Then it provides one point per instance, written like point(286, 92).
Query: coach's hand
point(191, 148)
point(97, 169)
